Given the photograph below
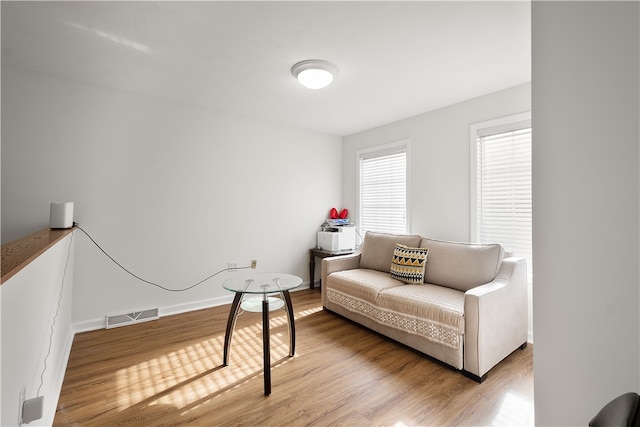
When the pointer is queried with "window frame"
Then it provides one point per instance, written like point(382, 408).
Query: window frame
point(377, 151)
point(491, 127)
point(501, 124)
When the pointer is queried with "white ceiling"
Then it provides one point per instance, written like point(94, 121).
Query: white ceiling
point(396, 59)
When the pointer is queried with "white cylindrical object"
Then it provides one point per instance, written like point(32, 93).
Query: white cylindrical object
point(61, 215)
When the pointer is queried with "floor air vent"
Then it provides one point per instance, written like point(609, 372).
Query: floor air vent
point(131, 318)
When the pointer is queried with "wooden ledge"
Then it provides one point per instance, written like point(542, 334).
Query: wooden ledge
point(19, 253)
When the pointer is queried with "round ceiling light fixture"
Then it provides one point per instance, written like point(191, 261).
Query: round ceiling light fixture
point(314, 73)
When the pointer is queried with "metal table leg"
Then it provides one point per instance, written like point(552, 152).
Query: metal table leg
point(231, 324)
point(292, 327)
point(266, 344)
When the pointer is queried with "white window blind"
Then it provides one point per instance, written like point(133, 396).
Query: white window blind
point(503, 188)
point(383, 190)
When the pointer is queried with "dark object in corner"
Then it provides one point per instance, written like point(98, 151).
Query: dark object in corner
point(621, 411)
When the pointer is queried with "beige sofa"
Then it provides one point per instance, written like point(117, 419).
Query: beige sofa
point(470, 311)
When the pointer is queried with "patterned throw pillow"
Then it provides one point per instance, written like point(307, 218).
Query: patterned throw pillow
point(408, 264)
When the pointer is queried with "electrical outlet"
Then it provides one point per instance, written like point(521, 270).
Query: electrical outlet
point(21, 398)
point(32, 409)
point(233, 265)
point(254, 263)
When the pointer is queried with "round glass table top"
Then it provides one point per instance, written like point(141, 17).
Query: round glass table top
point(261, 283)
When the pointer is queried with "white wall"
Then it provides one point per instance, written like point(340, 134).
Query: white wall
point(439, 160)
point(29, 305)
point(439, 169)
point(585, 108)
point(172, 192)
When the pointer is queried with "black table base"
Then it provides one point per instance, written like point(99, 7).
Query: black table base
point(266, 339)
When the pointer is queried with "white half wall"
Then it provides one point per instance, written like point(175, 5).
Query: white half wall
point(586, 112)
point(31, 320)
point(170, 191)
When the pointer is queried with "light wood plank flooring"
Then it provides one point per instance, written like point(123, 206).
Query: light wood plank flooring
point(169, 372)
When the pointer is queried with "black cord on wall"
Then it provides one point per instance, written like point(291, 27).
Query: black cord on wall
point(148, 281)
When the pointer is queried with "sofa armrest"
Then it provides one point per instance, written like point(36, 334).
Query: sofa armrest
point(337, 263)
point(496, 317)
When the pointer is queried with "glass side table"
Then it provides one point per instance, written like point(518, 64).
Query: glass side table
point(261, 284)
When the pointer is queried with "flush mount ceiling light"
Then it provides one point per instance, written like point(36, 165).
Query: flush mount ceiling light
point(314, 73)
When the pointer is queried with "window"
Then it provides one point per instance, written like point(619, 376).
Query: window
point(501, 204)
point(382, 188)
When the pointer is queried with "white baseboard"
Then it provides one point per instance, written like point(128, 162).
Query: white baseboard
point(101, 323)
point(89, 325)
point(195, 305)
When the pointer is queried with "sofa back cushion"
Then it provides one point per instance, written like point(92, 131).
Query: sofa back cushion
point(461, 266)
point(377, 249)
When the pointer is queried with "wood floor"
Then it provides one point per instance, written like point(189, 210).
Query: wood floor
point(169, 372)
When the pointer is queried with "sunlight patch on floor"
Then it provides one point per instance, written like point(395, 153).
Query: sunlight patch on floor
point(513, 410)
point(194, 373)
point(309, 311)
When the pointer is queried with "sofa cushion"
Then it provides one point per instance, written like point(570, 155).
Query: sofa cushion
point(361, 283)
point(407, 264)
point(435, 312)
point(461, 266)
point(377, 249)
point(428, 311)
